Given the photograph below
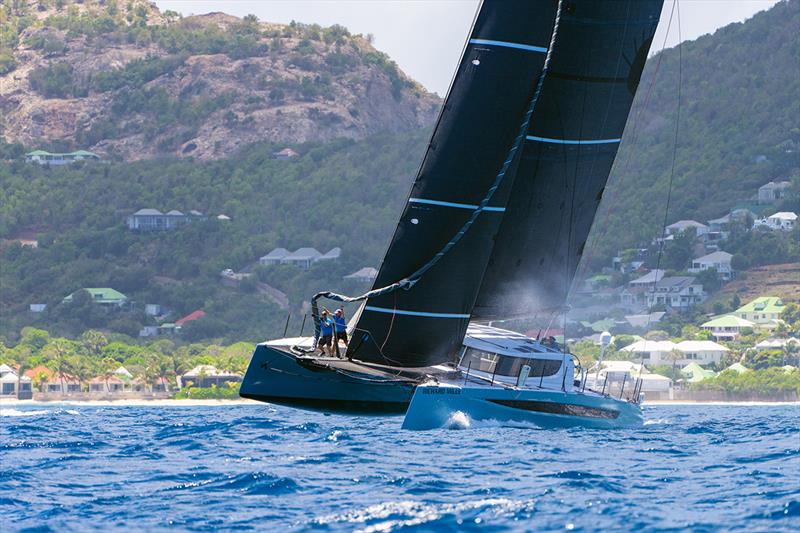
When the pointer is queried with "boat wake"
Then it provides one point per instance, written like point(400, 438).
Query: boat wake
point(11, 412)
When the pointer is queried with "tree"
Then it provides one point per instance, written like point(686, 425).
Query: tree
point(736, 302)
point(58, 353)
point(93, 341)
point(674, 356)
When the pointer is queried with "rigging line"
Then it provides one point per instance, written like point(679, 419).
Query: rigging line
point(672, 168)
point(635, 123)
point(409, 281)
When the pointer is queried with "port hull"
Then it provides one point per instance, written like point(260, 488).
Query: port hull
point(327, 385)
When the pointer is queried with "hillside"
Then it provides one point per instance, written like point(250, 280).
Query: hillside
point(740, 113)
point(738, 131)
point(774, 280)
point(128, 82)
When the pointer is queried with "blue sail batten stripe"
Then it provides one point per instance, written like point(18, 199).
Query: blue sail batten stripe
point(453, 204)
point(414, 313)
point(507, 44)
point(568, 141)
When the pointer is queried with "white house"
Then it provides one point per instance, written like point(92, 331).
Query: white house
point(701, 352)
point(720, 261)
point(683, 225)
point(37, 308)
point(782, 220)
point(677, 292)
point(650, 352)
point(726, 327)
point(148, 219)
point(774, 190)
point(302, 258)
point(331, 255)
point(364, 275)
point(778, 344)
point(274, 257)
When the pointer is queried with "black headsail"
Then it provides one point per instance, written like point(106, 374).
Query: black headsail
point(480, 120)
point(500, 108)
point(576, 128)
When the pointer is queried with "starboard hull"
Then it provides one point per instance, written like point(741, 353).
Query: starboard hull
point(437, 406)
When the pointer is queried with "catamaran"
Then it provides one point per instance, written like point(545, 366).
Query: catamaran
point(494, 227)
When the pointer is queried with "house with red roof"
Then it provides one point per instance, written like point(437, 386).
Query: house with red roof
point(194, 315)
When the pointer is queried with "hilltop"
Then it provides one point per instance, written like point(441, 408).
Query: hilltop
point(129, 82)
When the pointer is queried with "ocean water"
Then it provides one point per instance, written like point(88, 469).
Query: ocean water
point(255, 466)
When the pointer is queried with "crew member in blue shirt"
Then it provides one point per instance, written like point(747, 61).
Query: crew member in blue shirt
point(340, 329)
point(326, 332)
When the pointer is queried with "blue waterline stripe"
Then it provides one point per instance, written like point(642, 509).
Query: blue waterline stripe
point(453, 204)
point(506, 44)
point(567, 141)
point(413, 313)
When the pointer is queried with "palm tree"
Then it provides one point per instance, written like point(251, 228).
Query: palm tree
point(93, 341)
point(674, 355)
point(58, 352)
point(107, 369)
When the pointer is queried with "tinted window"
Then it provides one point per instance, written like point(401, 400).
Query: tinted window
point(507, 366)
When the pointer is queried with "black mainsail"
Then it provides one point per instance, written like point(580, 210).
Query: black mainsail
point(562, 72)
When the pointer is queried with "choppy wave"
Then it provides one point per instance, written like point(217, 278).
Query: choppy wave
point(260, 467)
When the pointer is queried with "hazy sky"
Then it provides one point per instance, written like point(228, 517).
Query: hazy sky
point(426, 37)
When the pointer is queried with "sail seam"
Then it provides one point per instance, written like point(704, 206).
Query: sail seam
point(453, 204)
point(572, 141)
point(414, 313)
point(507, 44)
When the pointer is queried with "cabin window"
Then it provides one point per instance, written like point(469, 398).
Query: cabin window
point(507, 366)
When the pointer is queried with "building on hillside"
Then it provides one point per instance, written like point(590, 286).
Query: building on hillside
point(763, 311)
point(739, 368)
point(286, 153)
point(331, 255)
point(644, 321)
point(149, 219)
point(194, 315)
point(676, 292)
point(37, 308)
point(778, 344)
point(650, 352)
point(203, 376)
point(148, 331)
point(781, 221)
point(726, 327)
point(648, 279)
point(153, 309)
point(696, 373)
point(274, 257)
point(683, 225)
point(102, 296)
point(223, 217)
point(364, 275)
point(773, 191)
point(42, 157)
point(720, 261)
point(302, 258)
point(701, 352)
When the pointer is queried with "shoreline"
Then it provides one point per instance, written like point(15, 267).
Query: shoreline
point(13, 402)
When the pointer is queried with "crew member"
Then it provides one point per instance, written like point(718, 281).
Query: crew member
point(326, 332)
point(340, 329)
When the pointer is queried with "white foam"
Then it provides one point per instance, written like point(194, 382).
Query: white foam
point(16, 412)
point(458, 420)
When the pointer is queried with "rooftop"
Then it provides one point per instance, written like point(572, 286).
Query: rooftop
point(715, 257)
point(684, 224)
point(784, 215)
point(763, 304)
point(727, 321)
point(701, 346)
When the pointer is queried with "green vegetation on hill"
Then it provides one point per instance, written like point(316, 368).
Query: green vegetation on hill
point(344, 193)
point(738, 130)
